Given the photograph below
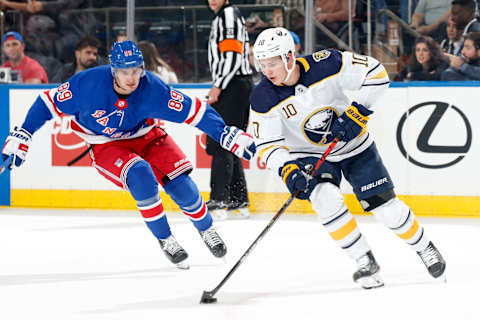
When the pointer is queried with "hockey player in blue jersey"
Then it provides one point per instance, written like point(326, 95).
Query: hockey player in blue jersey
point(114, 109)
point(297, 110)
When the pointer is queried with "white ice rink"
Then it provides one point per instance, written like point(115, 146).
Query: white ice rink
point(95, 265)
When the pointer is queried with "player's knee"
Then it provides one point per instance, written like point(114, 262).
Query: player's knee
point(141, 181)
point(377, 200)
point(327, 200)
point(393, 213)
point(183, 191)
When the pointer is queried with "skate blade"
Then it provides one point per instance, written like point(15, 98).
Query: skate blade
point(371, 282)
point(441, 279)
point(183, 265)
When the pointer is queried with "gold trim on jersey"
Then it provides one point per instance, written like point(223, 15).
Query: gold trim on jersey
point(382, 74)
point(324, 141)
point(310, 86)
point(261, 153)
point(305, 64)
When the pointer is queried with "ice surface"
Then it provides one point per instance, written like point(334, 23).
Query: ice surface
point(95, 265)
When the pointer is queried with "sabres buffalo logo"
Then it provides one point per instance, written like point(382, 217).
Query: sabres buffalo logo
point(317, 126)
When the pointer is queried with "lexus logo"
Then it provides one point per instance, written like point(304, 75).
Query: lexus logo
point(454, 128)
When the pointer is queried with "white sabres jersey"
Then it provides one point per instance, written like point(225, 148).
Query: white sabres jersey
point(290, 122)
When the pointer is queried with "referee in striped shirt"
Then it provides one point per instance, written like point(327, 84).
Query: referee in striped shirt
point(228, 50)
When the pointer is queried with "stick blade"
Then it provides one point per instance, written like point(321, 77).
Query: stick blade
point(6, 164)
point(208, 298)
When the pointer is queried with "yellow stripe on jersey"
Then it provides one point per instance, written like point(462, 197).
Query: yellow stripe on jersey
point(261, 153)
point(411, 232)
point(304, 63)
point(380, 75)
point(345, 230)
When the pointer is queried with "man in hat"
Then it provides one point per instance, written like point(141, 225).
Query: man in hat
point(29, 69)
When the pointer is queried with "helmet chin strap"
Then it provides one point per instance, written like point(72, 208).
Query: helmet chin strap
point(289, 71)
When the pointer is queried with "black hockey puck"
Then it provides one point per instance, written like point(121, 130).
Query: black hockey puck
point(207, 297)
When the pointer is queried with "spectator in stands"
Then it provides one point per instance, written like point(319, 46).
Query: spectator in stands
point(406, 9)
point(463, 13)
point(155, 64)
point(426, 62)
point(72, 26)
point(454, 40)
point(121, 36)
point(86, 55)
point(29, 69)
point(430, 17)
point(293, 8)
point(333, 14)
point(298, 44)
point(468, 67)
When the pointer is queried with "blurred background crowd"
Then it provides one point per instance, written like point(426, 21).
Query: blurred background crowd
point(414, 39)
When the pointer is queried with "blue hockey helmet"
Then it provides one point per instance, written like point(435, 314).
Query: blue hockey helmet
point(124, 55)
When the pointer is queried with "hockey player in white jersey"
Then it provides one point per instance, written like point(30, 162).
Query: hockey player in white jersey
point(297, 110)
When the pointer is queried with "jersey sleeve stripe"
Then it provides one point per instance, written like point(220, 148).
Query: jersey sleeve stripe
point(381, 75)
point(268, 142)
point(231, 45)
point(46, 97)
point(272, 152)
point(379, 64)
point(375, 84)
point(196, 113)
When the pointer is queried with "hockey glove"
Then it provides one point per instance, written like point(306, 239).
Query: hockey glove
point(352, 122)
point(297, 179)
point(15, 149)
point(238, 142)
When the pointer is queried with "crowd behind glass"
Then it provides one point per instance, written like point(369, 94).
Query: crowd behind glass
point(174, 34)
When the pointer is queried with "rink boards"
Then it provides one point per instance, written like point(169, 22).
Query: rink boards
point(426, 133)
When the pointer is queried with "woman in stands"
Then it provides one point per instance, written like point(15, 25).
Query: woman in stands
point(426, 62)
point(155, 64)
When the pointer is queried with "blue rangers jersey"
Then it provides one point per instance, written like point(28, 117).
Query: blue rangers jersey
point(101, 115)
point(290, 122)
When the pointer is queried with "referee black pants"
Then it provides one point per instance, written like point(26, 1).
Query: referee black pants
point(227, 179)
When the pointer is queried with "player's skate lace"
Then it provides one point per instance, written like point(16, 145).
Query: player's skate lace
point(368, 272)
point(433, 260)
point(174, 252)
point(214, 242)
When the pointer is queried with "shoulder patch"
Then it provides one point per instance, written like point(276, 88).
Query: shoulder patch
point(320, 55)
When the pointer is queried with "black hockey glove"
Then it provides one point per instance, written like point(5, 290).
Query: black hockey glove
point(296, 179)
point(15, 149)
point(352, 122)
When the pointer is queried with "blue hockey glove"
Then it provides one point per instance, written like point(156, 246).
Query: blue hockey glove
point(297, 179)
point(15, 149)
point(238, 142)
point(352, 122)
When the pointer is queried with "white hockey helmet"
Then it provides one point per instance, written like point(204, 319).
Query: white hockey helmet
point(274, 42)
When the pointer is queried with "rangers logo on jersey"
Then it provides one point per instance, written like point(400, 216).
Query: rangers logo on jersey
point(316, 126)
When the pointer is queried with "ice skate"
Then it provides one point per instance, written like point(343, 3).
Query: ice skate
point(433, 260)
point(214, 242)
point(218, 209)
point(174, 252)
point(367, 274)
point(239, 209)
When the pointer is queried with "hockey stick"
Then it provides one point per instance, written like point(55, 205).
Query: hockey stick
point(208, 296)
point(80, 156)
point(6, 164)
